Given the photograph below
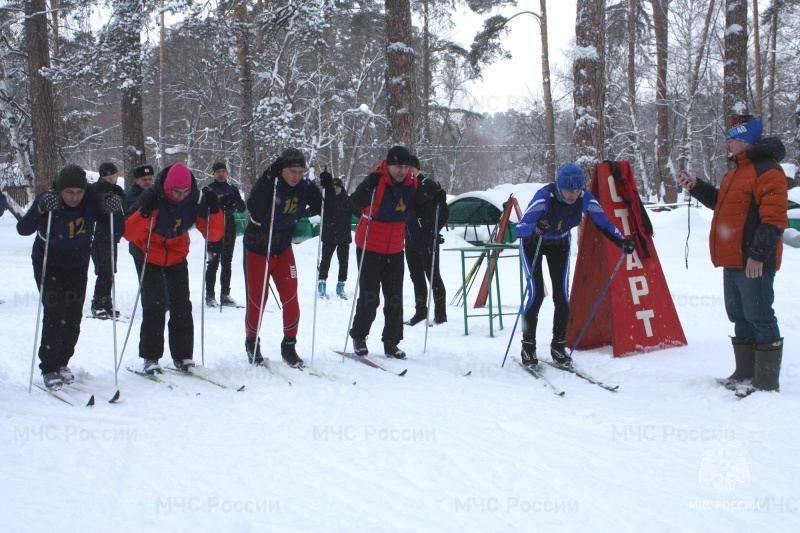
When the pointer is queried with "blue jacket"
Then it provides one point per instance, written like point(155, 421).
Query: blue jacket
point(71, 231)
point(563, 217)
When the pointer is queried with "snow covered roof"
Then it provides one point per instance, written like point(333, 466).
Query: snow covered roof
point(496, 197)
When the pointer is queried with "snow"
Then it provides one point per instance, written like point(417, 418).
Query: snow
point(431, 451)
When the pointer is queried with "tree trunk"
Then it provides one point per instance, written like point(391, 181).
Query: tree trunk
point(426, 71)
point(735, 69)
point(632, 105)
point(160, 155)
point(588, 74)
point(770, 122)
point(400, 72)
point(43, 120)
point(549, 115)
point(243, 58)
point(757, 55)
point(132, 116)
point(665, 185)
point(693, 83)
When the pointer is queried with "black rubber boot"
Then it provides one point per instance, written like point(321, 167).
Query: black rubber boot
point(768, 365)
point(744, 351)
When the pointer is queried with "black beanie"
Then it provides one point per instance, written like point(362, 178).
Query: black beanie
point(292, 157)
point(398, 155)
point(107, 169)
point(71, 177)
point(415, 162)
point(142, 171)
point(219, 165)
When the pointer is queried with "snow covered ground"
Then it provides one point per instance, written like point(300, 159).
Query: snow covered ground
point(431, 451)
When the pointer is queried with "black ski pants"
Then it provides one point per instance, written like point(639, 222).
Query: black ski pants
point(63, 294)
point(104, 268)
point(221, 251)
point(342, 254)
point(181, 324)
point(557, 254)
point(419, 269)
point(380, 273)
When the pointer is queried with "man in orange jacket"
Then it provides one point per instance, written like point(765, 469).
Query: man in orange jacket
point(159, 229)
point(746, 241)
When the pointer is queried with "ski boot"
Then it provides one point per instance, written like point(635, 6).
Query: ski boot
point(102, 308)
point(321, 289)
point(360, 347)
point(253, 349)
point(528, 354)
point(340, 290)
point(211, 301)
point(226, 301)
point(559, 354)
point(289, 354)
point(152, 367)
point(391, 350)
point(66, 375)
point(53, 381)
point(183, 364)
point(439, 320)
point(416, 319)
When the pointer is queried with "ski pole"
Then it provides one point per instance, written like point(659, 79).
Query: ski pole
point(360, 265)
point(41, 296)
point(202, 293)
point(319, 255)
point(221, 257)
point(114, 297)
point(266, 265)
point(430, 278)
point(139, 290)
point(591, 315)
point(528, 277)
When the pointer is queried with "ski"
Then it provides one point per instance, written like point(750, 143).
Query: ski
point(367, 361)
point(120, 318)
point(64, 396)
point(80, 388)
point(274, 371)
point(196, 373)
point(572, 370)
point(152, 377)
point(535, 372)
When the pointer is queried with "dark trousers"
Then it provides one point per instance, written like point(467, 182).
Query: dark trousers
point(138, 262)
point(342, 254)
point(748, 302)
point(104, 268)
point(557, 254)
point(181, 325)
point(419, 268)
point(380, 273)
point(62, 309)
point(221, 251)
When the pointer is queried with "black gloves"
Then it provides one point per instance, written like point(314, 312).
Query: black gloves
point(440, 239)
point(275, 169)
point(50, 201)
point(238, 203)
point(148, 204)
point(111, 203)
point(542, 226)
point(225, 201)
point(212, 202)
point(628, 246)
point(440, 195)
point(326, 179)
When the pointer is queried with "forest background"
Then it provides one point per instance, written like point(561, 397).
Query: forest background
point(163, 81)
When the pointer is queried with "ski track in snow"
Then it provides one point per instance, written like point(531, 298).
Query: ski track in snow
point(430, 451)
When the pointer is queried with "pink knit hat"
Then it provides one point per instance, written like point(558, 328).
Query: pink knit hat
point(178, 177)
